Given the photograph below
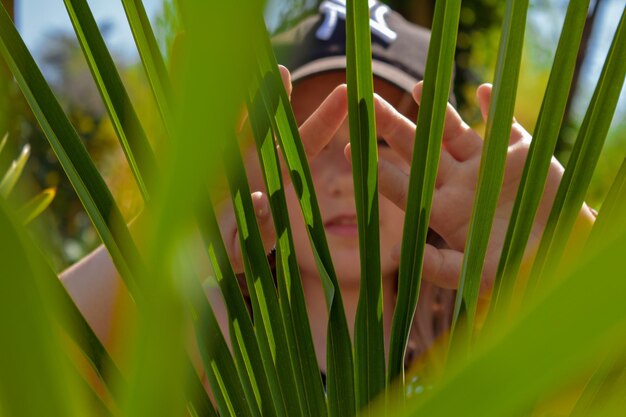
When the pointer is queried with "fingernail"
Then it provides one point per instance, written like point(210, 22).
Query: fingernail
point(262, 209)
point(347, 152)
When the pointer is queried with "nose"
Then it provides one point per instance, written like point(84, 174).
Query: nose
point(338, 170)
point(341, 184)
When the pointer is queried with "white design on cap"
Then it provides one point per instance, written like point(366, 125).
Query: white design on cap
point(333, 9)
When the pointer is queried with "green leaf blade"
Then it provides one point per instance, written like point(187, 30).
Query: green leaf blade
point(340, 366)
point(611, 217)
point(261, 110)
point(539, 156)
point(269, 320)
point(428, 136)
point(26, 323)
point(151, 59)
point(369, 349)
point(116, 100)
point(257, 363)
point(11, 177)
point(72, 155)
point(491, 172)
point(542, 348)
point(582, 163)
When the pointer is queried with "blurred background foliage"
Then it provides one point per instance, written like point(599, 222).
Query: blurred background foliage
point(59, 54)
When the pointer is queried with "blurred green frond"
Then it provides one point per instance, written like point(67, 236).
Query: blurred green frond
point(13, 174)
point(36, 205)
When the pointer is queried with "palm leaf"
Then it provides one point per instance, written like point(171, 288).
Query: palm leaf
point(151, 59)
point(218, 362)
point(26, 322)
point(611, 218)
point(539, 156)
point(36, 205)
point(596, 386)
point(491, 171)
point(557, 354)
point(210, 95)
point(15, 171)
point(339, 367)
point(121, 111)
point(255, 366)
point(582, 162)
point(70, 151)
point(428, 136)
point(291, 294)
point(269, 321)
point(3, 141)
point(369, 341)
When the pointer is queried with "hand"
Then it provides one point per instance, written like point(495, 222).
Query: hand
point(456, 185)
point(316, 131)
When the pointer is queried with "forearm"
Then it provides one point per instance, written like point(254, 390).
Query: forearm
point(93, 284)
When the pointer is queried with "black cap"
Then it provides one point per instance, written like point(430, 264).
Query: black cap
point(318, 44)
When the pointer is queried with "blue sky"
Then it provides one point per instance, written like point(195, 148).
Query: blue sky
point(38, 18)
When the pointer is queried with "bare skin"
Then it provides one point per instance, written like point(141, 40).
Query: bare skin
point(320, 105)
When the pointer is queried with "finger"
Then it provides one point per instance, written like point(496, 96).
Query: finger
point(395, 128)
point(286, 77)
point(399, 133)
point(461, 141)
point(264, 219)
point(323, 124)
point(483, 95)
point(442, 267)
point(266, 228)
point(393, 183)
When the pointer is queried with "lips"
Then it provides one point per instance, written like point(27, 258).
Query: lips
point(342, 225)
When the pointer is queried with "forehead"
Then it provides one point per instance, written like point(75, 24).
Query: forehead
point(308, 94)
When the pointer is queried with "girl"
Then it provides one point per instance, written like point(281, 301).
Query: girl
point(315, 51)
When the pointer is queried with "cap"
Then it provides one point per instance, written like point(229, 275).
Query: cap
point(318, 44)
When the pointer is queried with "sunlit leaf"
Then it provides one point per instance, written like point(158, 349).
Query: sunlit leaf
point(591, 137)
point(121, 111)
point(11, 177)
point(539, 156)
point(369, 341)
point(339, 366)
point(492, 163)
point(426, 153)
point(35, 206)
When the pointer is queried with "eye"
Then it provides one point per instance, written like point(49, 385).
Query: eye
point(382, 143)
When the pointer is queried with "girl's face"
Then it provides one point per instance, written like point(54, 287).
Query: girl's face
point(332, 177)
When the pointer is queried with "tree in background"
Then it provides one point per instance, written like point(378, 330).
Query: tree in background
point(67, 72)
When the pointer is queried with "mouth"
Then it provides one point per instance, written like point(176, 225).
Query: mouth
point(342, 225)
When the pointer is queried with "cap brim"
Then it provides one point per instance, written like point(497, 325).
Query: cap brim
point(380, 68)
